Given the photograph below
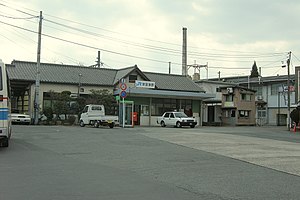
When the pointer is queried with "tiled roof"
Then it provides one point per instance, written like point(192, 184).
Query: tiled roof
point(173, 82)
point(267, 79)
point(58, 73)
point(69, 74)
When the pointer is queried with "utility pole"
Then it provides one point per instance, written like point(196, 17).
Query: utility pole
point(169, 67)
point(219, 75)
point(98, 60)
point(289, 92)
point(37, 78)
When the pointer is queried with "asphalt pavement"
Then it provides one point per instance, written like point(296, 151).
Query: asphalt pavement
point(61, 162)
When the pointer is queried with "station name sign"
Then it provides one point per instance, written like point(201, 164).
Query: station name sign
point(144, 84)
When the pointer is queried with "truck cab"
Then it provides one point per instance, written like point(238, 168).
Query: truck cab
point(95, 115)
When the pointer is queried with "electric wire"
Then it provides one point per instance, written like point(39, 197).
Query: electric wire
point(168, 51)
point(208, 56)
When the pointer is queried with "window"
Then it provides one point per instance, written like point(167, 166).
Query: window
point(244, 113)
point(258, 90)
point(167, 115)
point(85, 109)
point(229, 97)
point(144, 110)
point(261, 112)
point(159, 106)
point(96, 108)
point(246, 97)
point(172, 115)
point(275, 88)
point(132, 78)
point(232, 113)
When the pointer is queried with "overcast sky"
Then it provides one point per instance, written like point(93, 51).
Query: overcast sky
point(228, 35)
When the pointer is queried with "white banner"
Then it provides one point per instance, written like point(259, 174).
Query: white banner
point(144, 84)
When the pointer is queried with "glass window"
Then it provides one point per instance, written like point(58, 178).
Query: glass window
point(85, 109)
point(232, 113)
point(229, 97)
point(96, 108)
point(244, 113)
point(132, 78)
point(246, 97)
point(261, 112)
point(144, 110)
point(159, 106)
point(172, 115)
point(167, 115)
point(275, 88)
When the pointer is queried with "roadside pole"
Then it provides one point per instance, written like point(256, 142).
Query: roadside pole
point(123, 115)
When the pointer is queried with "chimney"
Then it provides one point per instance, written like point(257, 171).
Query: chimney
point(184, 52)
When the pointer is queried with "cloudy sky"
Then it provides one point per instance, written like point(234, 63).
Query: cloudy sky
point(228, 35)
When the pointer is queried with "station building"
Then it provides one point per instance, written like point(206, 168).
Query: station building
point(147, 94)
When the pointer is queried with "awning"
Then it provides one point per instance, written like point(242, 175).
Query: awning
point(134, 92)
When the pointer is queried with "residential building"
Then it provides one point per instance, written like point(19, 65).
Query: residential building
point(238, 106)
point(271, 96)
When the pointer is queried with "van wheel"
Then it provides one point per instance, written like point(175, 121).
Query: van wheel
point(111, 125)
point(81, 123)
point(178, 125)
point(162, 123)
point(5, 142)
point(192, 126)
point(96, 124)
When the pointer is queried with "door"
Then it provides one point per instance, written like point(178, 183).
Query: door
point(125, 113)
point(211, 114)
point(84, 115)
point(172, 120)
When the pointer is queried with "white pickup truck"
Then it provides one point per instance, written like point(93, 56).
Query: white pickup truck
point(95, 115)
point(176, 119)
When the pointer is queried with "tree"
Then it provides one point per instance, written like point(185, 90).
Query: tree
point(103, 97)
point(62, 104)
point(48, 112)
point(254, 71)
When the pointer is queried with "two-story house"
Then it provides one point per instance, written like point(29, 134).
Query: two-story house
point(271, 96)
point(238, 106)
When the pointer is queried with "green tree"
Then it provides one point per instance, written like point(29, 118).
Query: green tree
point(48, 112)
point(62, 104)
point(254, 71)
point(103, 97)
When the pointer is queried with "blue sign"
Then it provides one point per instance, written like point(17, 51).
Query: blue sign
point(123, 94)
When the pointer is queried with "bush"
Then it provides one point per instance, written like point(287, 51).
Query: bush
point(48, 112)
point(71, 119)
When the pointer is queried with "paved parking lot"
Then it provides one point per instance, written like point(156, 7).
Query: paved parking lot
point(272, 147)
point(70, 162)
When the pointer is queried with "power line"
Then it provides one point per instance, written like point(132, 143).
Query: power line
point(91, 47)
point(17, 17)
point(164, 50)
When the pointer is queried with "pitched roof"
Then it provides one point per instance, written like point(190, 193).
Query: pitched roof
point(121, 73)
point(173, 82)
point(58, 73)
point(69, 74)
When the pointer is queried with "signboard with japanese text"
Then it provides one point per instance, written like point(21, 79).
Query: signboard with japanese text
point(144, 84)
